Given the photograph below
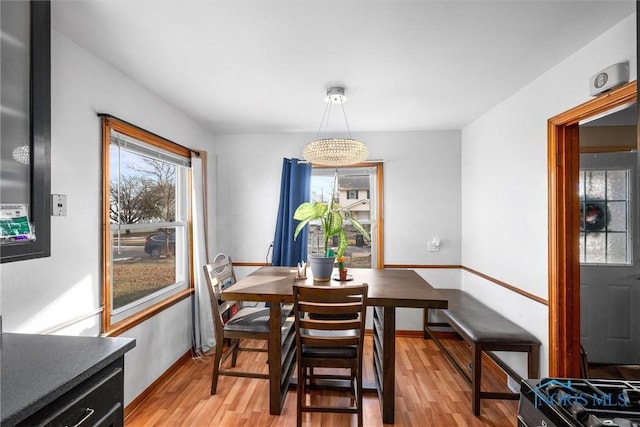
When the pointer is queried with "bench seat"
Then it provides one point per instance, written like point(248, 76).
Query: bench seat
point(485, 330)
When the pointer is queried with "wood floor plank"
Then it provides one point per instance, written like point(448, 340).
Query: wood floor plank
point(428, 392)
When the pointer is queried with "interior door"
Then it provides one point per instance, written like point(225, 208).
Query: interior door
point(609, 254)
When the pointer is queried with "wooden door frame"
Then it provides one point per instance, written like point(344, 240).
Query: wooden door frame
point(564, 264)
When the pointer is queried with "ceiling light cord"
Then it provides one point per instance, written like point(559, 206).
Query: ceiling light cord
point(325, 115)
point(344, 114)
point(334, 96)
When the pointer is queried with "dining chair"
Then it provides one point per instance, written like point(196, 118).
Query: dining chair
point(234, 322)
point(330, 322)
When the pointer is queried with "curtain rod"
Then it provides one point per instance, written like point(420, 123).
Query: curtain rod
point(197, 153)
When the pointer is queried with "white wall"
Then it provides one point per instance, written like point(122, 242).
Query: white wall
point(485, 198)
point(40, 294)
point(421, 171)
point(421, 198)
point(504, 181)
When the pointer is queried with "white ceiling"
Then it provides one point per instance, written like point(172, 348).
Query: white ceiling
point(263, 66)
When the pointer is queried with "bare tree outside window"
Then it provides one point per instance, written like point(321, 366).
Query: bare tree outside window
point(147, 195)
point(145, 230)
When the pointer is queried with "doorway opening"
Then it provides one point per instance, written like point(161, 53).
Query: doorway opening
point(565, 356)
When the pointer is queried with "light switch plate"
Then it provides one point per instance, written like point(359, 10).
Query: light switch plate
point(58, 205)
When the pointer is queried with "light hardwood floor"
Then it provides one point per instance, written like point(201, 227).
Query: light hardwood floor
point(429, 392)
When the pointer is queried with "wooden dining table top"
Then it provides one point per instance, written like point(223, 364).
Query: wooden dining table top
point(387, 287)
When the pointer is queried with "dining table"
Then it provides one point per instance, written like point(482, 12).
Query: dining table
point(388, 289)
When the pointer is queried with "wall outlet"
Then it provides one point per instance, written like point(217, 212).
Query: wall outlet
point(58, 205)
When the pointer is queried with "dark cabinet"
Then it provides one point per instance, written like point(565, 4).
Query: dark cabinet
point(97, 401)
point(56, 381)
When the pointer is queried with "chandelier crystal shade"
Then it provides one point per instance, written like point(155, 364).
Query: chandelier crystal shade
point(335, 151)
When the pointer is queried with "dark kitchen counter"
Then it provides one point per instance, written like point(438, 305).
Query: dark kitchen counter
point(35, 370)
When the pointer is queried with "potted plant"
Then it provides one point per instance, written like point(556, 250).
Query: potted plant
point(332, 219)
point(342, 271)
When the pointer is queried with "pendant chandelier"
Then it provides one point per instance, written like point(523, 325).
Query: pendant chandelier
point(335, 151)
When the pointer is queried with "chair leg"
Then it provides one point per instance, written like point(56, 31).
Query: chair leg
point(300, 394)
point(234, 355)
point(217, 355)
point(359, 396)
point(354, 388)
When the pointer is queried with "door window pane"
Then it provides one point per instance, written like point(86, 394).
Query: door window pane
point(617, 213)
point(616, 248)
point(604, 210)
point(617, 184)
point(595, 248)
point(594, 187)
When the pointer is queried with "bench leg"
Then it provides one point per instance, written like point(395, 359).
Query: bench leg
point(476, 376)
point(425, 323)
point(533, 361)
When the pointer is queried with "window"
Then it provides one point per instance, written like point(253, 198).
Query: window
point(604, 213)
point(146, 215)
point(359, 190)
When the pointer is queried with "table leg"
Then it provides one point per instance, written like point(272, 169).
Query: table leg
point(384, 354)
point(275, 359)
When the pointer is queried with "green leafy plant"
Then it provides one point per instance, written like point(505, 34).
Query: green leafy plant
point(332, 218)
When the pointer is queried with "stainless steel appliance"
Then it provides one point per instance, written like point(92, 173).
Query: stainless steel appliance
point(557, 402)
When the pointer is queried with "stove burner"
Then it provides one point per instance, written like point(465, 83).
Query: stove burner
point(579, 402)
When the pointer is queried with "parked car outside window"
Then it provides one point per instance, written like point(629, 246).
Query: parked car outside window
point(158, 243)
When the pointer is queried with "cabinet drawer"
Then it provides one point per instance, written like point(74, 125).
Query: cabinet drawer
point(95, 402)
